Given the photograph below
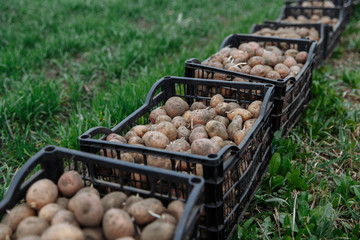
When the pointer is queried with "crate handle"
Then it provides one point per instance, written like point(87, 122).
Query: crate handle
point(95, 131)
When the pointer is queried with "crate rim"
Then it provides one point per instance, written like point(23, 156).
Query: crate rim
point(209, 160)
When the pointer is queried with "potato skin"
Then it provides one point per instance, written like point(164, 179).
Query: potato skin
point(17, 214)
point(198, 133)
point(88, 209)
point(255, 108)
point(168, 129)
point(69, 183)
point(201, 116)
point(93, 233)
point(216, 99)
point(139, 210)
point(40, 193)
point(158, 230)
point(175, 106)
point(117, 223)
point(48, 211)
point(216, 128)
point(62, 231)
point(176, 208)
point(156, 139)
point(64, 216)
point(155, 113)
point(113, 200)
point(31, 226)
point(204, 147)
point(5, 232)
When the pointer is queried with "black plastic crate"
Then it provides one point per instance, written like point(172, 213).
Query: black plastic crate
point(346, 5)
point(288, 91)
point(320, 51)
point(335, 32)
point(230, 174)
point(51, 162)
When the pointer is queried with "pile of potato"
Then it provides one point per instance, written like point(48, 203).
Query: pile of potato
point(195, 129)
point(326, 4)
point(290, 32)
point(69, 210)
point(252, 58)
point(313, 19)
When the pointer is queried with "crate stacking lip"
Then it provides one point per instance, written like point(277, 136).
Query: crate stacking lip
point(289, 92)
point(323, 30)
point(232, 175)
point(51, 161)
point(334, 33)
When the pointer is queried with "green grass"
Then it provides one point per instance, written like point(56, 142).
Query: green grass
point(312, 190)
point(69, 65)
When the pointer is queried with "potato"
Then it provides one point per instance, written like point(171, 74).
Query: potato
point(301, 57)
point(116, 137)
point(179, 121)
point(163, 118)
point(125, 238)
point(234, 126)
point(275, 50)
point(176, 208)
point(183, 132)
point(217, 57)
point(158, 230)
point(290, 61)
point(198, 133)
point(168, 129)
point(222, 108)
point(130, 134)
point(258, 70)
point(159, 162)
point(48, 211)
point(223, 120)
point(201, 116)
point(249, 123)
point(175, 106)
point(155, 113)
point(88, 209)
point(246, 69)
point(245, 114)
point(291, 53)
point(135, 140)
point(255, 108)
point(5, 232)
point(218, 140)
point(282, 69)
point(140, 130)
point(197, 106)
point(183, 145)
point(273, 75)
point(256, 60)
point(225, 52)
point(16, 215)
point(93, 234)
point(270, 58)
point(64, 216)
point(234, 105)
point(156, 139)
point(62, 231)
point(228, 142)
point(295, 69)
point(204, 147)
point(187, 116)
point(167, 217)
point(31, 226)
point(130, 200)
point(30, 237)
point(240, 135)
point(69, 183)
point(113, 200)
point(40, 193)
point(259, 52)
point(254, 45)
point(216, 99)
point(216, 128)
point(140, 210)
point(62, 201)
point(246, 48)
